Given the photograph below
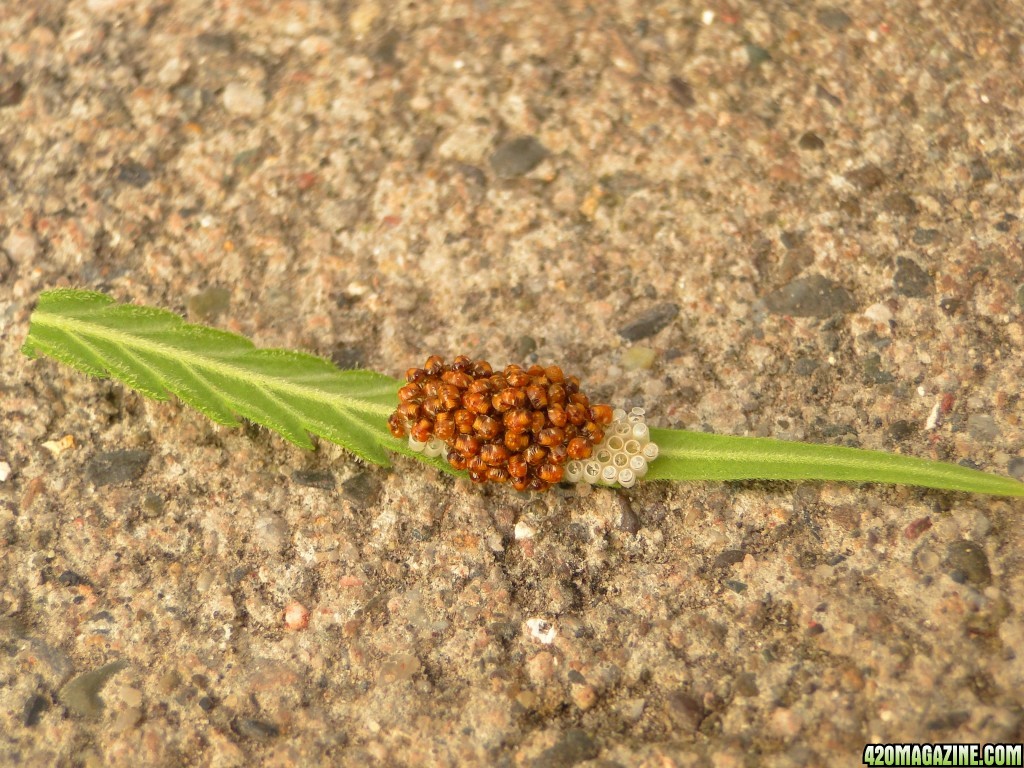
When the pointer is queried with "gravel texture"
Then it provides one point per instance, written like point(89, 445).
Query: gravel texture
point(807, 219)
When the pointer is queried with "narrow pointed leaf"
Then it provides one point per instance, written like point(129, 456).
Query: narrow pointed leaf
point(221, 374)
point(701, 456)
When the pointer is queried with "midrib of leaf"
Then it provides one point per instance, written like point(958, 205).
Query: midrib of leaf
point(312, 392)
point(700, 456)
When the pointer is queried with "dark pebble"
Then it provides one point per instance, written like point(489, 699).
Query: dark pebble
point(628, 520)
point(152, 506)
point(736, 586)
point(915, 528)
point(925, 236)
point(34, 708)
point(867, 177)
point(812, 296)
point(574, 747)
point(360, 489)
point(966, 562)
point(746, 684)
point(948, 721)
point(901, 429)
point(209, 303)
point(650, 322)
point(71, 579)
point(951, 306)
point(979, 171)
point(6, 266)
point(811, 141)
point(256, 730)
point(791, 239)
point(134, 174)
point(214, 42)
point(1016, 467)
point(681, 92)
point(113, 467)
point(684, 711)
point(982, 427)
point(805, 366)
point(872, 370)
point(11, 93)
point(348, 357)
point(82, 694)
point(623, 183)
point(517, 157)
point(833, 18)
point(831, 98)
point(1020, 297)
point(900, 204)
point(386, 50)
point(729, 557)
point(756, 55)
point(796, 260)
point(524, 347)
point(314, 478)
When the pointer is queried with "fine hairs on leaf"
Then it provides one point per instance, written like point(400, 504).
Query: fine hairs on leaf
point(224, 376)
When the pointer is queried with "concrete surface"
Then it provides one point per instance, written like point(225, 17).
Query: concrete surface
point(768, 219)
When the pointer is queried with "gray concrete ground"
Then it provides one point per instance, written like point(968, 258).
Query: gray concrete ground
point(779, 219)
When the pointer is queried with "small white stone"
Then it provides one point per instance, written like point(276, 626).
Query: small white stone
point(541, 630)
point(878, 313)
point(524, 531)
point(5, 471)
point(22, 246)
point(172, 72)
point(244, 99)
point(296, 616)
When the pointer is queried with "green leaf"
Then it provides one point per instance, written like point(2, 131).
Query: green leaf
point(220, 374)
point(295, 394)
point(701, 456)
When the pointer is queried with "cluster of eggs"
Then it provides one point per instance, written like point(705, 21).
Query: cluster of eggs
point(529, 428)
point(621, 457)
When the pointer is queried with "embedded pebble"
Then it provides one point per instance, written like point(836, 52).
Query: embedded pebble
point(684, 711)
point(34, 709)
point(82, 694)
point(575, 746)
point(966, 562)
point(541, 630)
point(255, 730)
point(1016, 467)
point(134, 174)
point(21, 245)
point(360, 489)
point(638, 359)
point(649, 322)
point(314, 478)
point(911, 280)
point(811, 296)
point(982, 426)
point(524, 531)
point(243, 99)
point(833, 18)
point(210, 303)
point(116, 467)
point(296, 616)
point(517, 157)
point(272, 533)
